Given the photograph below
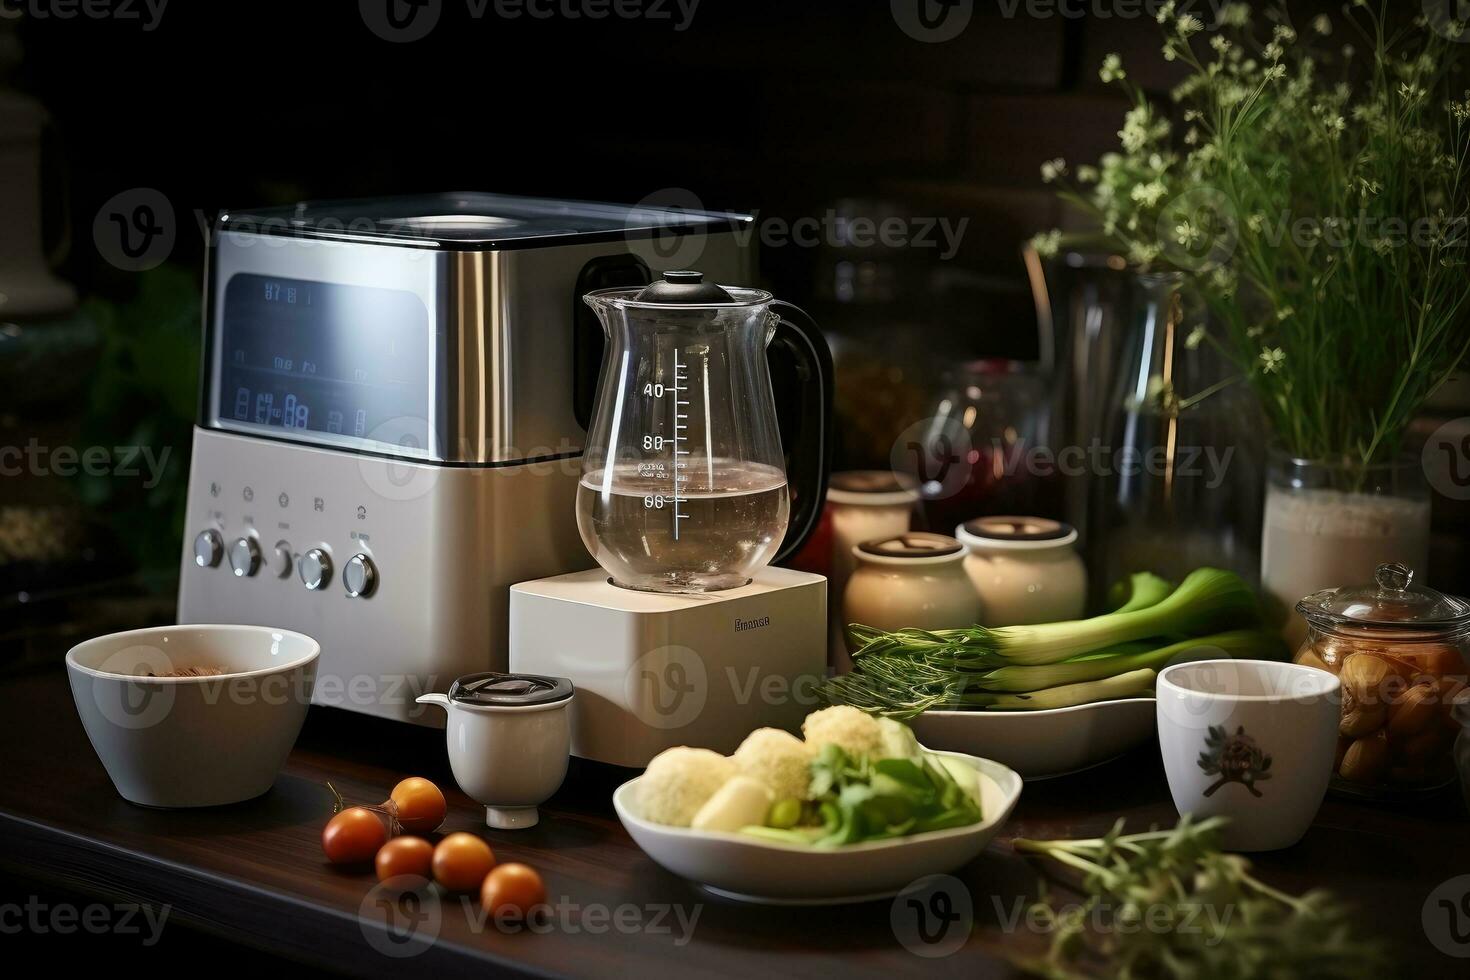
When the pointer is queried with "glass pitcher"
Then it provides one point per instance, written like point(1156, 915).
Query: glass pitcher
point(685, 487)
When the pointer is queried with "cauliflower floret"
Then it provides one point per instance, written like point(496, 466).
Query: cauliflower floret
point(778, 759)
point(898, 740)
point(679, 781)
point(858, 734)
point(741, 802)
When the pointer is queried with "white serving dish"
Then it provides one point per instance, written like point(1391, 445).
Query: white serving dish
point(193, 741)
point(750, 869)
point(1041, 744)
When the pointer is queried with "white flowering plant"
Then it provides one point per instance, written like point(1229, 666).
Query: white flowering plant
point(1318, 201)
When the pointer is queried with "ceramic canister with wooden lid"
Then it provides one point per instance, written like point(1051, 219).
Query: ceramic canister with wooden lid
point(912, 580)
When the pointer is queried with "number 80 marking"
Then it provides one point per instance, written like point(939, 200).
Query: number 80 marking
point(654, 501)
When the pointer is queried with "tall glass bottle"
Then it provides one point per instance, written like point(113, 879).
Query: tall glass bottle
point(1177, 475)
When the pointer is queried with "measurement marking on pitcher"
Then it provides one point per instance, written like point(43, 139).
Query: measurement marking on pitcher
point(679, 419)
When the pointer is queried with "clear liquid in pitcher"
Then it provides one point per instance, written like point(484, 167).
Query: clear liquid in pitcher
point(730, 516)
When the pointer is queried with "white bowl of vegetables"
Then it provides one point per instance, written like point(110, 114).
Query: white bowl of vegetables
point(1052, 698)
point(855, 810)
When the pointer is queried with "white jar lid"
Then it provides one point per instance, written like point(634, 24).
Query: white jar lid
point(872, 488)
point(1016, 534)
point(911, 548)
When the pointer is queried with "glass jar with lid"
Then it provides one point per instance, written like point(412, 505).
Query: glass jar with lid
point(1400, 651)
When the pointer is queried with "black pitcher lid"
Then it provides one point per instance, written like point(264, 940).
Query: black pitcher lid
point(493, 689)
point(683, 288)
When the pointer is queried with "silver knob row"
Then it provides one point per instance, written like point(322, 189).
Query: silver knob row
point(313, 567)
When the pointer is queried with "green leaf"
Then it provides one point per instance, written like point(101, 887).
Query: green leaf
point(904, 771)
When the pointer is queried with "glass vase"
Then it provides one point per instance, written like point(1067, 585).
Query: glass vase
point(984, 449)
point(1089, 298)
point(1177, 473)
point(1330, 525)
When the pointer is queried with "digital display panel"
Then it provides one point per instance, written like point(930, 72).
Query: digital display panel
point(338, 360)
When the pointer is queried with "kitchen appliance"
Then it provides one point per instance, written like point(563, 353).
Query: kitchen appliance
point(684, 635)
point(394, 395)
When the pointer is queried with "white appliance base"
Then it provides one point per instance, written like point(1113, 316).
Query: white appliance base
point(653, 670)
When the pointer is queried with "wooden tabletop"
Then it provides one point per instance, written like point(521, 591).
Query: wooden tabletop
point(254, 874)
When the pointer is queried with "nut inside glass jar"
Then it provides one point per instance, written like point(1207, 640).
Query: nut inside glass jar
point(1401, 654)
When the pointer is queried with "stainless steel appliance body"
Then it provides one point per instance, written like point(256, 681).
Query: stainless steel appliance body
point(392, 411)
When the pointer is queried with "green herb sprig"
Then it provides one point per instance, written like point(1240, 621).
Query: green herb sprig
point(1170, 903)
point(1316, 196)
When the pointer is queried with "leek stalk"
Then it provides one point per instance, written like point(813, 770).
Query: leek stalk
point(1208, 600)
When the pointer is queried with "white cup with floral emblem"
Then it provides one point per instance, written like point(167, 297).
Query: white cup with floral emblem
point(1251, 740)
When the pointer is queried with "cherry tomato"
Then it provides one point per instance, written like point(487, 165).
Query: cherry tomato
point(420, 805)
point(405, 856)
point(511, 891)
point(353, 836)
point(461, 862)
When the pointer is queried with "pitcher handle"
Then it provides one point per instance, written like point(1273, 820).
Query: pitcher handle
point(809, 456)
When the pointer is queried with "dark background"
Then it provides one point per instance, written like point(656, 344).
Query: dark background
point(779, 107)
point(787, 109)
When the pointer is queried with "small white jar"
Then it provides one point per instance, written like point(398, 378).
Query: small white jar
point(864, 505)
point(867, 505)
point(913, 580)
point(1024, 569)
point(509, 739)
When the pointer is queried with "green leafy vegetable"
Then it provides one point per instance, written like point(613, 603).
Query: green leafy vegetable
point(1207, 601)
point(860, 799)
point(1169, 903)
point(1053, 665)
point(1138, 591)
point(1248, 644)
point(905, 685)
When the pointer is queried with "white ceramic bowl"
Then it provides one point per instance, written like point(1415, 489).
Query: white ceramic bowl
point(193, 741)
point(1041, 744)
point(751, 869)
